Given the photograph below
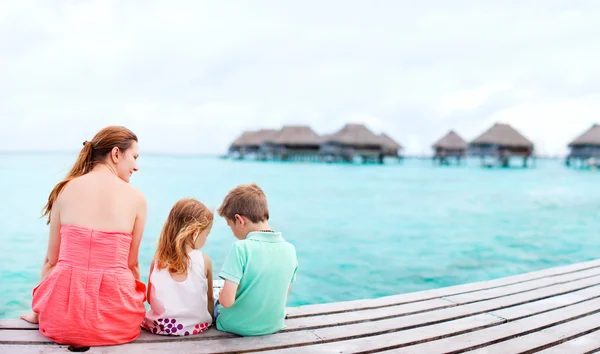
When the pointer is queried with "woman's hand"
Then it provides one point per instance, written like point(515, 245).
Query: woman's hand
point(135, 270)
point(138, 230)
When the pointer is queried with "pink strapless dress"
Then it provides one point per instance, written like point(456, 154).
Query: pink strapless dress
point(91, 297)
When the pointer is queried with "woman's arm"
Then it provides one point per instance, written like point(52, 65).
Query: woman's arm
point(209, 276)
point(138, 231)
point(51, 255)
point(53, 244)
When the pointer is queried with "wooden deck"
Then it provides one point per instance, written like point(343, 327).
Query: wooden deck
point(555, 310)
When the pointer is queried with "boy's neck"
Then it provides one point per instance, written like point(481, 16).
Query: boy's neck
point(260, 226)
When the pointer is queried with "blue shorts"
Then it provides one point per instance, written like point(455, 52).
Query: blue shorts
point(216, 309)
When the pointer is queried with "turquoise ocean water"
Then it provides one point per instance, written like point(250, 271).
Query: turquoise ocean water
point(360, 231)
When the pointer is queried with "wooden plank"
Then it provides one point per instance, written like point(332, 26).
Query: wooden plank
point(579, 299)
point(579, 345)
point(373, 336)
point(366, 315)
point(311, 310)
point(408, 323)
point(589, 343)
point(428, 318)
point(413, 321)
point(557, 301)
point(434, 304)
point(16, 324)
point(481, 338)
point(406, 337)
point(546, 338)
point(393, 324)
point(12, 336)
point(520, 287)
point(146, 337)
point(226, 345)
point(39, 349)
point(16, 336)
point(289, 344)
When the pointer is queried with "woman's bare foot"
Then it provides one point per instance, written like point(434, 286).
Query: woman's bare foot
point(30, 317)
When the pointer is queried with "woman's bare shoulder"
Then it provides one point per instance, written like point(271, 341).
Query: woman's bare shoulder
point(135, 194)
point(72, 187)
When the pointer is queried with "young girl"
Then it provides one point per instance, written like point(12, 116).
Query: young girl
point(180, 291)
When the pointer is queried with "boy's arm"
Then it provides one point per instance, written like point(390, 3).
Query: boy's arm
point(232, 272)
point(209, 276)
point(293, 277)
point(227, 294)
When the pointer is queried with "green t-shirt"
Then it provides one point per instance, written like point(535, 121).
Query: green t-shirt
point(264, 266)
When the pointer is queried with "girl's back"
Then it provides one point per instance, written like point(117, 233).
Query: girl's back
point(180, 281)
point(179, 307)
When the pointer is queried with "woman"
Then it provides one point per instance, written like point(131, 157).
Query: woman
point(90, 293)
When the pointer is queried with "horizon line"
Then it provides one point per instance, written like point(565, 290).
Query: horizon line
point(179, 154)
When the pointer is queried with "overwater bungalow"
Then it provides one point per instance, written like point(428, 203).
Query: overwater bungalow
point(450, 146)
point(501, 142)
point(298, 142)
point(586, 148)
point(250, 142)
point(238, 146)
point(353, 140)
point(390, 147)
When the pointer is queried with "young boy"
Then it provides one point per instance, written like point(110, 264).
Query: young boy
point(259, 269)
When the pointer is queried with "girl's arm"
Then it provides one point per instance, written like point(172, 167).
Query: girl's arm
point(209, 276)
point(138, 231)
point(149, 283)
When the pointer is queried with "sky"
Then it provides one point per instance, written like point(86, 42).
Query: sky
point(189, 76)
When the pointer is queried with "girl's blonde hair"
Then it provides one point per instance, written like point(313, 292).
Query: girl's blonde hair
point(187, 219)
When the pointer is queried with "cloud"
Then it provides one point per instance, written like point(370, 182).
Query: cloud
point(187, 77)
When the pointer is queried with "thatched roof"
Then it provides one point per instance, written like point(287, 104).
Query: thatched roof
point(296, 135)
point(451, 141)
point(325, 138)
point(590, 137)
point(388, 142)
point(261, 136)
point(354, 134)
point(503, 135)
point(243, 139)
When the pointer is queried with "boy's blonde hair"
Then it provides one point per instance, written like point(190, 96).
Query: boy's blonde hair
point(245, 200)
point(187, 219)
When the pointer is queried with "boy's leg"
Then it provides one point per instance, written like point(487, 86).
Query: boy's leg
point(216, 314)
